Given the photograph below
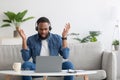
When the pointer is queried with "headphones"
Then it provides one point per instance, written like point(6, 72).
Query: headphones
point(42, 19)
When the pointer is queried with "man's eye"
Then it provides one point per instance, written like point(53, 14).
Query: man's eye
point(43, 29)
point(46, 29)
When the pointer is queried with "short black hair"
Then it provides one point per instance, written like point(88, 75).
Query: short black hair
point(43, 19)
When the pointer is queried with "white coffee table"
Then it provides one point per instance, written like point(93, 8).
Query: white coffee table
point(9, 73)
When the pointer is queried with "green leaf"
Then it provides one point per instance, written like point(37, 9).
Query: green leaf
point(10, 15)
point(20, 16)
point(85, 39)
point(74, 34)
point(8, 21)
point(77, 39)
point(5, 25)
point(17, 18)
point(23, 14)
point(27, 19)
point(116, 42)
point(14, 18)
point(93, 39)
point(94, 33)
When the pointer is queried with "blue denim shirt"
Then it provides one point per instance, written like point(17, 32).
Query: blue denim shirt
point(34, 47)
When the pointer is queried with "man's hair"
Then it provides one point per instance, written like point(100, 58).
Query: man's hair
point(43, 19)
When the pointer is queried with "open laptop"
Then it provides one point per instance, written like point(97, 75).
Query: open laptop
point(48, 64)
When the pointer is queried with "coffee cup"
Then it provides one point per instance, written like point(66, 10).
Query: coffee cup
point(17, 66)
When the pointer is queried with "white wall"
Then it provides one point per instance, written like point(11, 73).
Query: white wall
point(84, 15)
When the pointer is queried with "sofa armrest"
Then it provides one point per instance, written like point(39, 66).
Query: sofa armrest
point(109, 64)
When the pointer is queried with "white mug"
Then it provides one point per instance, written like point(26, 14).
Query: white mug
point(17, 67)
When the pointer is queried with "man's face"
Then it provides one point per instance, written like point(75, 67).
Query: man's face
point(43, 29)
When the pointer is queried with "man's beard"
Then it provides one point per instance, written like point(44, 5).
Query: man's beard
point(43, 38)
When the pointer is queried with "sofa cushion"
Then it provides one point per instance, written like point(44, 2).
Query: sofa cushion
point(86, 55)
point(9, 54)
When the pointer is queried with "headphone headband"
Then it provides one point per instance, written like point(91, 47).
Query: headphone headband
point(42, 19)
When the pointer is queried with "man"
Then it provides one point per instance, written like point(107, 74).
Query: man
point(44, 44)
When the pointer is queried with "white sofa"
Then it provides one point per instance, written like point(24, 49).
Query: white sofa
point(85, 56)
point(118, 64)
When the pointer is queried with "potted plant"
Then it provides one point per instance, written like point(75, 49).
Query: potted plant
point(115, 44)
point(93, 35)
point(15, 19)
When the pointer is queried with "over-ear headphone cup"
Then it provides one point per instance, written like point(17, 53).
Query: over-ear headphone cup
point(36, 28)
point(50, 28)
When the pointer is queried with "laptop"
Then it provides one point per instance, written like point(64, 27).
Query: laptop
point(48, 64)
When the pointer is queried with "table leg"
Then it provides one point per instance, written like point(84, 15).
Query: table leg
point(7, 77)
point(86, 77)
point(45, 78)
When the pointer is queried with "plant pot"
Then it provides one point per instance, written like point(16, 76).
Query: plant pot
point(16, 34)
point(116, 47)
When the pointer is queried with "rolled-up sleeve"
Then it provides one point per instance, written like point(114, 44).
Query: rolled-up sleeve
point(64, 52)
point(26, 53)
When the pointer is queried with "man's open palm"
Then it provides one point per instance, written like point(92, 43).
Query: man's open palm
point(22, 34)
point(66, 30)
